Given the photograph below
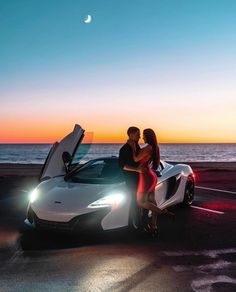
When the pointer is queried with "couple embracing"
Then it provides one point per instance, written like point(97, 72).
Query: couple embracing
point(138, 165)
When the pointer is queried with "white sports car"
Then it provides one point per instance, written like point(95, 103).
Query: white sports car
point(71, 197)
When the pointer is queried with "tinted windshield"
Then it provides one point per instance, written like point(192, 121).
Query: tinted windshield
point(99, 171)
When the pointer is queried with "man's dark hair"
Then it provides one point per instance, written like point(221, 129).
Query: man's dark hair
point(132, 130)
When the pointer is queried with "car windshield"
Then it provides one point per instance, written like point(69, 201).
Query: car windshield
point(99, 171)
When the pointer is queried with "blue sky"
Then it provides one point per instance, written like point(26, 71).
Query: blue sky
point(134, 57)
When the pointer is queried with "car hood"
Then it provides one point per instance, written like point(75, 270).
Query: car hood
point(57, 195)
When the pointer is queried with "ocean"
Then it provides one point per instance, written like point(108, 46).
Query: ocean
point(37, 153)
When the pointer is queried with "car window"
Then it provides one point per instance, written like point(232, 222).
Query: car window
point(99, 171)
point(81, 152)
point(92, 171)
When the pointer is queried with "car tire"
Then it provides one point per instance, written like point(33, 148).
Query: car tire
point(189, 192)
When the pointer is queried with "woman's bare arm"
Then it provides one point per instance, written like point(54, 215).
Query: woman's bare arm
point(142, 153)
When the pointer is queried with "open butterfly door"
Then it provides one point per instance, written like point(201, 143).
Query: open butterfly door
point(54, 165)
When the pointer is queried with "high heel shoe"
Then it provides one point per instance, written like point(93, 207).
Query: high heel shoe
point(153, 230)
point(169, 214)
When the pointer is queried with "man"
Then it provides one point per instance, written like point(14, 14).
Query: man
point(131, 171)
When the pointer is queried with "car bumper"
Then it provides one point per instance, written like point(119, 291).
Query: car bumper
point(81, 223)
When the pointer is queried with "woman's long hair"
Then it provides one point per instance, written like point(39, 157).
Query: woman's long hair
point(152, 140)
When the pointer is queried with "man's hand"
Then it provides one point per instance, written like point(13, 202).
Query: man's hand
point(141, 169)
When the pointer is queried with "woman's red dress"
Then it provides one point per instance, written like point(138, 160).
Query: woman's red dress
point(147, 180)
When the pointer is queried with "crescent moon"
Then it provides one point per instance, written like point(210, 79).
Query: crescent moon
point(88, 19)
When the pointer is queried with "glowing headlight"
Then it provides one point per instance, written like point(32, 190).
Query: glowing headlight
point(33, 196)
point(113, 200)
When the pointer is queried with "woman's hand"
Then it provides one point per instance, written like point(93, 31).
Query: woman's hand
point(132, 144)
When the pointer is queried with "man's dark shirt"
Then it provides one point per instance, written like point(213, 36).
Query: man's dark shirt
point(126, 158)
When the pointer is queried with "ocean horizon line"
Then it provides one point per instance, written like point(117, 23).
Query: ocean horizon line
point(121, 143)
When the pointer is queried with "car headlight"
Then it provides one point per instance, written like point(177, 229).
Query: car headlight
point(33, 196)
point(112, 200)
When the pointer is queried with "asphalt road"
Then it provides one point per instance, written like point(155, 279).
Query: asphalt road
point(195, 252)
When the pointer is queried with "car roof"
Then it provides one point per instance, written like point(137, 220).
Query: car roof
point(105, 158)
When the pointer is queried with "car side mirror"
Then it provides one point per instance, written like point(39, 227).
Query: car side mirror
point(158, 173)
point(67, 158)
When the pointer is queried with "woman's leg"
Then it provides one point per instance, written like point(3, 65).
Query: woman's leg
point(143, 202)
point(151, 198)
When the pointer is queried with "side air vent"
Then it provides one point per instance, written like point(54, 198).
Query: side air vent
point(172, 185)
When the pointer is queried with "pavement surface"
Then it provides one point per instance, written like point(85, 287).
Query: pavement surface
point(194, 252)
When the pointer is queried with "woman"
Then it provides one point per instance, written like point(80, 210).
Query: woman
point(148, 179)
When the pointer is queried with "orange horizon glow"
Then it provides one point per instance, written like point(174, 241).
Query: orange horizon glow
point(112, 127)
point(101, 138)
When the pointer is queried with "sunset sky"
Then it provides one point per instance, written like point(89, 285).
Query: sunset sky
point(165, 64)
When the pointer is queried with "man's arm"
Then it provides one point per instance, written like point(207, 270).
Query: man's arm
point(132, 168)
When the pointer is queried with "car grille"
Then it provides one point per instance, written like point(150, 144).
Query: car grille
point(61, 226)
point(78, 223)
